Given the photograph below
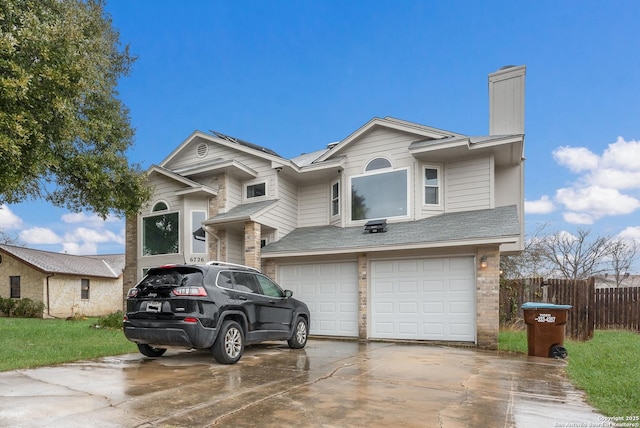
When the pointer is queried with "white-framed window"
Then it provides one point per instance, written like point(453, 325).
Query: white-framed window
point(432, 179)
point(381, 192)
point(84, 289)
point(255, 190)
point(335, 198)
point(378, 163)
point(160, 206)
point(198, 236)
point(161, 231)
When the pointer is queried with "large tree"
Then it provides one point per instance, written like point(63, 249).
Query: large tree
point(63, 131)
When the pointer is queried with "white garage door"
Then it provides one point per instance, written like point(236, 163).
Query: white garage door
point(331, 292)
point(424, 299)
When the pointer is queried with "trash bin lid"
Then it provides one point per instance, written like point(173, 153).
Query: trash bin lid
point(541, 305)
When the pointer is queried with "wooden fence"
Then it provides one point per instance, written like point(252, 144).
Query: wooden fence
point(618, 308)
point(582, 319)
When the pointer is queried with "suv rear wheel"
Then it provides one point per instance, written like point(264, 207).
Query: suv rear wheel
point(150, 351)
point(229, 345)
point(299, 338)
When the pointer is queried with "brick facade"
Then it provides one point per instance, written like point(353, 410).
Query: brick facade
point(252, 237)
point(488, 298)
point(363, 297)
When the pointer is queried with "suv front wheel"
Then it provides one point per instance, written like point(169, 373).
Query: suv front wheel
point(300, 332)
point(228, 347)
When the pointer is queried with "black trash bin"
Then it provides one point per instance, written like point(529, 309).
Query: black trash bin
point(545, 328)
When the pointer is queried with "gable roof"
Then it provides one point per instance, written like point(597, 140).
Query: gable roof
point(102, 266)
point(241, 212)
point(226, 141)
point(391, 123)
point(488, 226)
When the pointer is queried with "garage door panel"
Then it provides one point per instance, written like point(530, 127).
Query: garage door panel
point(384, 308)
point(428, 299)
point(433, 286)
point(408, 329)
point(433, 308)
point(331, 292)
point(432, 329)
point(408, 287)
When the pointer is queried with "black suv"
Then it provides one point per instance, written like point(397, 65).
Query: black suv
point(218, 306)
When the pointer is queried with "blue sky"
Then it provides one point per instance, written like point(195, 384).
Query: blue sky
point(296, 75)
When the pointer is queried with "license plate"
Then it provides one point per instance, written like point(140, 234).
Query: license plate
point(154, 306)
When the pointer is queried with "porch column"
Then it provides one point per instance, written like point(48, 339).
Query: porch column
point(130, 275)
point(252, 236)
point(488, 297)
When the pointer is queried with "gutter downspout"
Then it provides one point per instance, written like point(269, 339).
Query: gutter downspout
point(48, 299)
point(217, 238)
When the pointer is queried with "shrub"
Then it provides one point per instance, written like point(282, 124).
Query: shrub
point(27, 308)
point(6, 306)
point(111, 321)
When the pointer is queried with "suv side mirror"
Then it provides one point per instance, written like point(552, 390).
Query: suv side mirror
point(288, 293)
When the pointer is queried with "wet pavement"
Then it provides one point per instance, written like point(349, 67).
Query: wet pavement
point(327, 384)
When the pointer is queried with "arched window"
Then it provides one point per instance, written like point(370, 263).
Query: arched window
point(378, 163)
point(160, 206)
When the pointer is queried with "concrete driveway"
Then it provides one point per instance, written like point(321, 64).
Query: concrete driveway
point(327, 384)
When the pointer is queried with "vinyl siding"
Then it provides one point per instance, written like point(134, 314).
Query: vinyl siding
point(284, 216)
point(314, 205)
point(468, 185)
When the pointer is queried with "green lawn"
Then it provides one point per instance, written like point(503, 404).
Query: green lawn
point(605, 368)
point(32, 342)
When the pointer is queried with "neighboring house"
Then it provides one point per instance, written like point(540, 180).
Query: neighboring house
point(68, 285)
point(394, 232)
point(609, 281)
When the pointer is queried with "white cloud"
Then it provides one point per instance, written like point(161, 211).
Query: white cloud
point(87, 248)
point(86, 235)
point(8, 220)
point(624, 155)
point(618, 179)
point(577, 159)
point(596, 202)
point(82, 217)
point(542, 206)
point(578, 218)
point(631, 233)
point(40, 236)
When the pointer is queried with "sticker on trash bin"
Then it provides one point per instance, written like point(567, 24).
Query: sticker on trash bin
point(545, 318)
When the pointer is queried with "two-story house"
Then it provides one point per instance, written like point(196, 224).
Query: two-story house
point(395, 232)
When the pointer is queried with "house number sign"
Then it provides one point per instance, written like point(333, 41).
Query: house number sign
point(545, 318)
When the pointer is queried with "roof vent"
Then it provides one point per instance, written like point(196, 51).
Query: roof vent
point(376, 226)
point(202, 150)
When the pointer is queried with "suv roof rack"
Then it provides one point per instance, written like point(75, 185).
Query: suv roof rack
point(219, 263)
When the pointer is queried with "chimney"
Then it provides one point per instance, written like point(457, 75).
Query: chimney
point(506, 100)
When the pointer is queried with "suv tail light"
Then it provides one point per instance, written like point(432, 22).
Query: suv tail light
point(133, 292)
point(189, 291)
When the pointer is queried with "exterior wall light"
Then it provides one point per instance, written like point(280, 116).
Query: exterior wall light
point(483, 262)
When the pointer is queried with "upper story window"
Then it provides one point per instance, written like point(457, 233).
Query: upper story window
point(160, 232)
point(256, 190)
point(432, 185)
point(160, 206)
point(335, 199)
point(379, 194)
